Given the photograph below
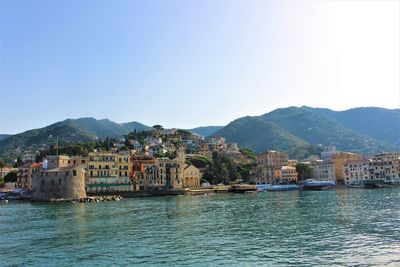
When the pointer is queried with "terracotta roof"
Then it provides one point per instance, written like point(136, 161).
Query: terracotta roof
point(36, 165)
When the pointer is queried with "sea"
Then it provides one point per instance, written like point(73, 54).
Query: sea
point(343, 227)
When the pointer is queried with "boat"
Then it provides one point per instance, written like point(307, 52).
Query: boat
point(373, 183)
point(3, 199)
point(312, 184)
point(242, 188)
point(262, 187)
point(283, 187)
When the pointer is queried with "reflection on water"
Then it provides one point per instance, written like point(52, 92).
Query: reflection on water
point(337, 227)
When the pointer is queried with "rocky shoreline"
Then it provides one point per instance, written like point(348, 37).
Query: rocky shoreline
point(96, 199)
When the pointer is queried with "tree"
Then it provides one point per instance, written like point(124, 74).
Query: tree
point(11, 177)
point(224, 173)
point(2, 165)
point(247, 152)
point(304, 171)
point(199, 162)
point(18, 162)
point(158, 127)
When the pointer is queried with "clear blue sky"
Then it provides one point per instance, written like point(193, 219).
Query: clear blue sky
point(192, 63)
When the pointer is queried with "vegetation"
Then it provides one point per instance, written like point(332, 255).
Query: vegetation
point(168, 154)
point(288, 129)
point(199, 162)
point(158, 127)
point(206, 130)
point(304, 171)
point(303, 152)
point(136, 135)
point(68, 132)
point(11, 177)
point(247, 152)
point(222, 170)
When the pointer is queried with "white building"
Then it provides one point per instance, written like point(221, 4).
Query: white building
point(328, 152)
point(323, 170)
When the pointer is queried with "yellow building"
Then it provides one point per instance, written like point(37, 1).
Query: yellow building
point(123, 163)
point(103, 173)
point(288, 174)
point(191, 177)
point(339, 160)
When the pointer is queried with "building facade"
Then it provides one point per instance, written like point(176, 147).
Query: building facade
point(339, 160)
point(103, 169)
point(356, 170)
point(323, 170)
point(191, 177)
point(273, 159)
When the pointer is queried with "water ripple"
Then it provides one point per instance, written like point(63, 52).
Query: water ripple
point(332, 228)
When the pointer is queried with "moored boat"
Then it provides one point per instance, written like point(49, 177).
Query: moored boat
point(242, 188)
point(283, 187)
point(311, 184)
point(373, 183)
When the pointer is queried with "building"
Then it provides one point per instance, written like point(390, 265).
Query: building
point(55, 161)
point(150, 173)
point(152, 141)
point(204, 150)
point(328, 152)
point(386, 156)
point(323, 170)
point(103, 173)
point(124, 175)
point(287, 174)
point(60, 182)
point(191, 177)
point(269, 167)
point(273, 159)
point(356, 170)
point(339, 160)
point(24, 175)
point(263, 175)
point(386, 168)
point(28, 158)
point(157, 150)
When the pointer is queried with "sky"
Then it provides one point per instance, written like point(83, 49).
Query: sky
point(192, 63)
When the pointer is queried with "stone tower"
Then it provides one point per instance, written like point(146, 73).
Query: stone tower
point(180, 154)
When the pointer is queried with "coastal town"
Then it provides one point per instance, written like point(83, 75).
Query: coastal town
point(172, 162)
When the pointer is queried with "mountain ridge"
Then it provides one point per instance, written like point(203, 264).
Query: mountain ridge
point(364, 129)
point(321, 126)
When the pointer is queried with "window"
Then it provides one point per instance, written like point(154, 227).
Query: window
point(74, 173)
point(59, 181)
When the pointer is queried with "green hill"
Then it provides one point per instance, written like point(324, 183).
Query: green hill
point(4, 136)
point(379, 123)
point(205, 130)
point(299, 127)
point(259, 134)
point(67, 131)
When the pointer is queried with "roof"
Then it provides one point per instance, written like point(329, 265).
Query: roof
point(36, 165)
